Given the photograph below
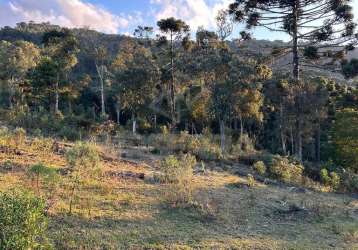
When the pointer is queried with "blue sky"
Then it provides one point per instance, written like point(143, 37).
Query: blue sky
point(119, 16)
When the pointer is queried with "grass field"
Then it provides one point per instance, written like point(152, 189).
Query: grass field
point(124, 210)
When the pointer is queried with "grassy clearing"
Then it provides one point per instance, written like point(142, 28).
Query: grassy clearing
point(122, 210)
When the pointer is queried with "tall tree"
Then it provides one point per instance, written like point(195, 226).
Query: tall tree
point(135, 76)
point(101, 61)
point(62, 47)
point(16, 59)
point(312, 25)
point(176, 31)
point(144, 33)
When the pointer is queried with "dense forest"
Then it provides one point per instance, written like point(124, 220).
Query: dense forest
point(289, 109)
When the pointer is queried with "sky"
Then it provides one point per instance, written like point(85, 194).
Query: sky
point(120, 16)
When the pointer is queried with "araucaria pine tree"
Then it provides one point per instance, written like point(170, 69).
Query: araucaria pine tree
point(317, 27)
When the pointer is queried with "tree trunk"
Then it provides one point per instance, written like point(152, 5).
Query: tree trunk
point(100, 72)
point(103, 109)
point(69, 107)
point(318, 142)
point(299, 140)
point(292, 141)
point(118, 115)
point(172, 86)
point(222, 135)
point(155, 121)
point(134, 124)
point(241, 130)
point(295, 58)
point(11, 92)
point(235, 124)
point(57, 96)
point(283, 140)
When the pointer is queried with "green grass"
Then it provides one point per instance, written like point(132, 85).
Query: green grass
point(130, 213)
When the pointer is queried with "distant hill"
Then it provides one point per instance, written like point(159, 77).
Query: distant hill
point(263, 49)
point(260, 49)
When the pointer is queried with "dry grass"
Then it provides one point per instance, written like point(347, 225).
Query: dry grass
point(128, 212)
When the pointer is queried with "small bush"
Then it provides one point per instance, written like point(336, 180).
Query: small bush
point(332, 179)
point(199, 145)
point(42, 175)
point(244, 144)
point(260, 167)
point(178, 174)
point(69, 133)
point(324, 176)
point(19, 136)
point(285, 170)
point(250, 181)
point(84, 163)
point(335, 180)
point(23, 222)
point(349, 182)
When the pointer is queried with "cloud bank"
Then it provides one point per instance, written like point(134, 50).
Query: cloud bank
point(195, 13)
point(68, 13)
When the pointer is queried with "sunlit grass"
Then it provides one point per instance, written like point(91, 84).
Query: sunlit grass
point(125, 212)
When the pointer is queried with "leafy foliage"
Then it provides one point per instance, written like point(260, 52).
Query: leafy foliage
point(345, 139)
point(23, 222)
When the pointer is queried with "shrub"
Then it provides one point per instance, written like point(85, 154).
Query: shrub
point(23, 222)
point(332, 179)
point(335, 180)
point(250, 180)
point(19, 136)
point(69, 133)
point(208, 151)
point(349, 182)
point(260, 167)
point(42, 175)
point(178, 174)
point(5, 137)
point(43, 145)
point(200, 146)
point(285, 170)
point(84, 163)
point(324, 176)
point(344, 134)
point(245, 144)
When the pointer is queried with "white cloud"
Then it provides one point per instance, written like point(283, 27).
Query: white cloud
point(68, 13)
point(194, 12)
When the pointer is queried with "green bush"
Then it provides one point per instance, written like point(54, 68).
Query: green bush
point(69, 133)
point(84, 164)
point(335, 180)
point(245, 144)
point(260, 167)
point(23, 223)
point(324, 176)
point(344, 134)
point(349, 181)
point(285, 170)
point(199, 145)
point(332, 179)
point(177, 173)
point(250, 180)
point(42, 175)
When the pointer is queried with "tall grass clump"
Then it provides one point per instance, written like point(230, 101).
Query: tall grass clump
point(177, 174)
